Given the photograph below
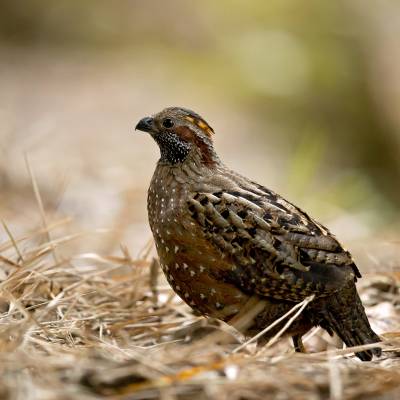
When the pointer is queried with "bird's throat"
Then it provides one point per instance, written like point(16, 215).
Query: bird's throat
point(172, 149)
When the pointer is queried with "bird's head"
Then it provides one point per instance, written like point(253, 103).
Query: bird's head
point(181, 135)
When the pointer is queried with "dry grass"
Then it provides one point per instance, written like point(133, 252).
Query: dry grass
point(96, 325)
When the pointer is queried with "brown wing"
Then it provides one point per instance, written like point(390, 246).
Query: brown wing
point(275, 249)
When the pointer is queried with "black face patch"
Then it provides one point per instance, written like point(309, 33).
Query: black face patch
point(173, 149)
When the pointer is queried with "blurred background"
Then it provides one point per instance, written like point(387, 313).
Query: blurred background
point(304, 97)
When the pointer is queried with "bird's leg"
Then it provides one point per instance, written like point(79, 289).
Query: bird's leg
point(298, 344)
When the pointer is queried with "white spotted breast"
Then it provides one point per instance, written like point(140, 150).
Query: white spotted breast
point(188, 260)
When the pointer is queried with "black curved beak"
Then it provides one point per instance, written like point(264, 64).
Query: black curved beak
point(145, 125)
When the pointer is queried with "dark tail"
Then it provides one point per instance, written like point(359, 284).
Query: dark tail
point(344, 314)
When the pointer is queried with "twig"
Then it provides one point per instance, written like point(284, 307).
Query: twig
point(303, 305)
point(41, 207)
point(300, 306)
point(14, 243)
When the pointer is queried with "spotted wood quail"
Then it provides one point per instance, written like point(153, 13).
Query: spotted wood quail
point(223, 239)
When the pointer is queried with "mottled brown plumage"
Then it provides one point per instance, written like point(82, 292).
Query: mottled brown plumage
point(223, 240)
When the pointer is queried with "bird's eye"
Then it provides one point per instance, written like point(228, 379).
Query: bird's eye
point(168, 123)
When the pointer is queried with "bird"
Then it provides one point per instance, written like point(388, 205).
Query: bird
point(226, 243)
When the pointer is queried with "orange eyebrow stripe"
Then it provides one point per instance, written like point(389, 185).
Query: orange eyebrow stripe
point(201, 124)
point(205, 127)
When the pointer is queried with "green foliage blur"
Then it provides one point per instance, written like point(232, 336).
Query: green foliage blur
point(321, 75)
